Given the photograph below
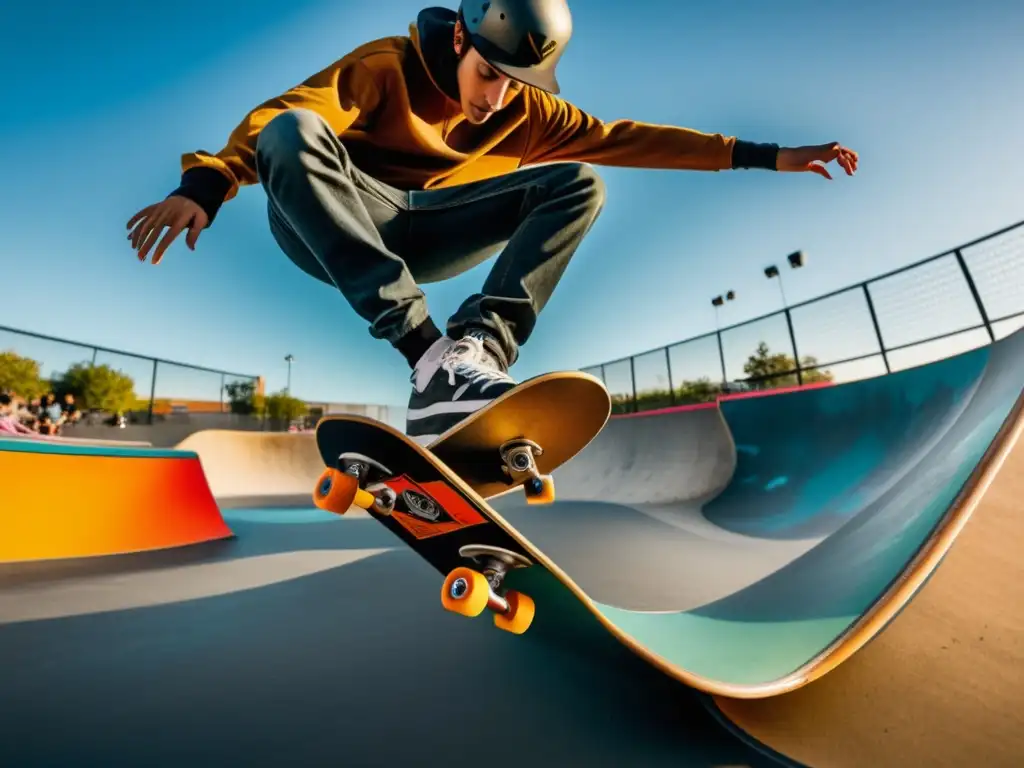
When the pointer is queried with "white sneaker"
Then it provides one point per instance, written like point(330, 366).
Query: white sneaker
point(452, 380)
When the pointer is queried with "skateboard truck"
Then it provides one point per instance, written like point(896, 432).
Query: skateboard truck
point(336, 492)
point(518, 457)
point(469, 592)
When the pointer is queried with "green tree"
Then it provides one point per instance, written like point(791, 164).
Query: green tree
point(811, 374)
point(98, 387)
point(773, 370)
point(241, 397)
point(21, 375)
point(700, 390)
point(281, 406)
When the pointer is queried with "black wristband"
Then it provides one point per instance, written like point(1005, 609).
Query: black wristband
point(749, 154)
point(205, 187)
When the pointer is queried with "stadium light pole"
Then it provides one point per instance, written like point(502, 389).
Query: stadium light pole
point(288, 359)
point(796, 260)
point(718, 301)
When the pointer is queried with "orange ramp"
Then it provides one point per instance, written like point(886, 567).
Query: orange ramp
point(67, 500)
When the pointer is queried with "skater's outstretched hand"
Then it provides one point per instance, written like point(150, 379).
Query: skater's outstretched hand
point(814, 158)
point(175, 213)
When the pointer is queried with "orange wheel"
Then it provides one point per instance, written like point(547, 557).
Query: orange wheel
point(465, 591)
point(335, 491)
point(545, 495)
point(520, 613)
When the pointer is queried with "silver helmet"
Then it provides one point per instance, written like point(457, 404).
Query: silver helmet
point(523, 39)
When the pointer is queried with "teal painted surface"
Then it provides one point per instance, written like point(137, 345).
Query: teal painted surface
point(808, 462)
point(734, 652)
point(728, 642)
point(873, 495)
point(279, 516)
point(74, 449)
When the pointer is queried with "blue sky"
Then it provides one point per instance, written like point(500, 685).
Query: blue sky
point(99, 107)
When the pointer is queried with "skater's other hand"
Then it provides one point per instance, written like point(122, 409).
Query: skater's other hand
point(175, 213)
point(812, 159)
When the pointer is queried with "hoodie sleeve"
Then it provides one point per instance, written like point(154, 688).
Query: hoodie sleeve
point(340, 94)
point(561, 131)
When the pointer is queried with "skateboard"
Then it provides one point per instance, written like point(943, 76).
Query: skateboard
point(521, 437)
point(422, 501)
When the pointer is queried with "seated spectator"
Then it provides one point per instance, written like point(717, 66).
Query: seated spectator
point(23, 412)
point(9, 425)
point(35, 405)
point(51, 416)
point(70, 409)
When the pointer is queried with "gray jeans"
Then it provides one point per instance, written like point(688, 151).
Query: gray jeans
point(376, 243)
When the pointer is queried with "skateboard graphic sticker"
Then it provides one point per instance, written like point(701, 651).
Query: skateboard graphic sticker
point(432, 508)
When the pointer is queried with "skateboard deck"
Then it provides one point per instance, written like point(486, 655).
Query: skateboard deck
point(422, 501)
point(549, 418)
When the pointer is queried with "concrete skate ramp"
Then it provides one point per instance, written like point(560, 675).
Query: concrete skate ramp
point(942, 685)
point(840, 503)
point(681, 456)
point(243, 466)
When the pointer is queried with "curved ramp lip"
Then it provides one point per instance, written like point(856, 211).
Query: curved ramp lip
point(668, 410)
point(722, 398)
point(250, 463)
point(86, 448)
point(65, 440)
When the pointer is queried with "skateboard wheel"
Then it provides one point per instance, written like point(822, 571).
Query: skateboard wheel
point(466, 592)
point(335, 491)
point(520, 614)
point(540, 490)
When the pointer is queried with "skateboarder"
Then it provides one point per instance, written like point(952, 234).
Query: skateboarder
point(414, 158)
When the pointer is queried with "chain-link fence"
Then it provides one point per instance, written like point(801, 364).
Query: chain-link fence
point(940, 306)
point(934, 308)
point(159, 388)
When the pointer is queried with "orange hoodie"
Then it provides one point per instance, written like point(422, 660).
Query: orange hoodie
point(394, 104)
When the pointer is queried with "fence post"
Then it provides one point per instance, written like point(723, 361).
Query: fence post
point(671, 386)
point(92, 363)
point(975, 294)
point(222, 393)
point(878, 330)
point(721, 357)
point(796, 354)
point(632, 378)
point(152, 394)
